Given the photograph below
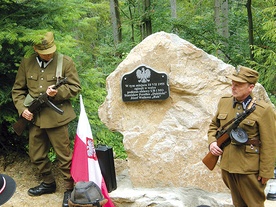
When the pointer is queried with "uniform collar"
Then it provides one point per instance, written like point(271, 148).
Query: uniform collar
point(244, 103)
point(42, 63)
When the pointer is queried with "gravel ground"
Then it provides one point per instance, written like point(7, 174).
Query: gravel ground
point(25, 176)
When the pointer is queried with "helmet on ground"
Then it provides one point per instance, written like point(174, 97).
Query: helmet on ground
point(86, 194)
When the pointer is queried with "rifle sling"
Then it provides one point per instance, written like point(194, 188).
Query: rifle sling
point(59, 66)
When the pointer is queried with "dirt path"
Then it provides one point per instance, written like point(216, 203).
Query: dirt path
point(25, 176)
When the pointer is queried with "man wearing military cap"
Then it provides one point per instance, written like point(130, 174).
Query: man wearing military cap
point(37, 75)
point(246, 167)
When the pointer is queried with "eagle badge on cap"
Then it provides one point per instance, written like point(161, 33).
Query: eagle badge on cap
point(44, 42)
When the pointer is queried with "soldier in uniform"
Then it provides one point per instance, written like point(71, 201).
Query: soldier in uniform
point(245, 166)
point(37, 75)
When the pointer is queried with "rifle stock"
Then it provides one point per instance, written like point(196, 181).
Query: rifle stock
point(211, 160)
point(20, 125)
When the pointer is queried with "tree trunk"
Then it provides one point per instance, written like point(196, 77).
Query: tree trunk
point(222, 21)
point(116, 21)
point(217, 15)
point(146, 28)
point(173, 9)
point(250, 29)
point(132, 25)
point(221, 17)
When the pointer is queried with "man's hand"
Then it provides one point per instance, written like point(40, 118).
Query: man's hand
point(27, 115)
point(50, 91)
point(263, 180)
point(215, 150)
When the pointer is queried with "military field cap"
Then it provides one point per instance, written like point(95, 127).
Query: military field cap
point(47, 45)
point(86, 194)
point(245, 75)
point(7, 188)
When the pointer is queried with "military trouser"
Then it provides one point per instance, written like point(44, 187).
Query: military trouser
point(246, 190)
point(40, 142)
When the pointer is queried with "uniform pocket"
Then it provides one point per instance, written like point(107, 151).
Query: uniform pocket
point(252, 149)
point(32, 80)
point(249, 122)
point(51, 78)
point(251, 158)
point(251, 127)
point(222, 116)
point(32, 76)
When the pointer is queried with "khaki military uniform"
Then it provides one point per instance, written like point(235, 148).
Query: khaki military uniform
point(48, 127)
point(242, 164)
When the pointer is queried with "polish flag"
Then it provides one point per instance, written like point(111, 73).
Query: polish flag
point(85, 165)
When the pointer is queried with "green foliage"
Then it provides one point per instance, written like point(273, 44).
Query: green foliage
point(52, 155)
point(265, 52)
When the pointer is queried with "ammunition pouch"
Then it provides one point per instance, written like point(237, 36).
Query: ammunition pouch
point(28, 100)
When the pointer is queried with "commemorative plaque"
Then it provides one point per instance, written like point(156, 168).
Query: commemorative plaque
point(144, 83)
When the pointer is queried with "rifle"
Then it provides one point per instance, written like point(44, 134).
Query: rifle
point(34, 107)
point(223, 135)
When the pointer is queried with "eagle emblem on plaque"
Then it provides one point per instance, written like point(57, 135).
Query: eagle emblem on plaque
point(143, 75)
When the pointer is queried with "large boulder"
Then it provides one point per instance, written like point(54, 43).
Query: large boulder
point(166, 140)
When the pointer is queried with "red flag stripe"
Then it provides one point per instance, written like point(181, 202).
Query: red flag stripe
point(79, 168)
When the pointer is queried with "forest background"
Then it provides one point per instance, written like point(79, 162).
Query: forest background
point(98, 35)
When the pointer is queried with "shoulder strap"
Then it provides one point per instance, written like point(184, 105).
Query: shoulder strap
point(59, 66)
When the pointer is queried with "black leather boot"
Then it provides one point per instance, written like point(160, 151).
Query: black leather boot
point(66, 197)
point(43, 188)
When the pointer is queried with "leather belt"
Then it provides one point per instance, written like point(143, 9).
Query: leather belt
point(254, 142)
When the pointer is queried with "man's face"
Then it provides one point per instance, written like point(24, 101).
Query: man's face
point(241, 90)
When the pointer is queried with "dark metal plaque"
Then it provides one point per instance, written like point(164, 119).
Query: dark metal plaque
point(144, 83)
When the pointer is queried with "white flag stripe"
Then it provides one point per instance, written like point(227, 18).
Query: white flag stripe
point(84, 129)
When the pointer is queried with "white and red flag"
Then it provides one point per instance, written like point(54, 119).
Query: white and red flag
point(85, 165)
